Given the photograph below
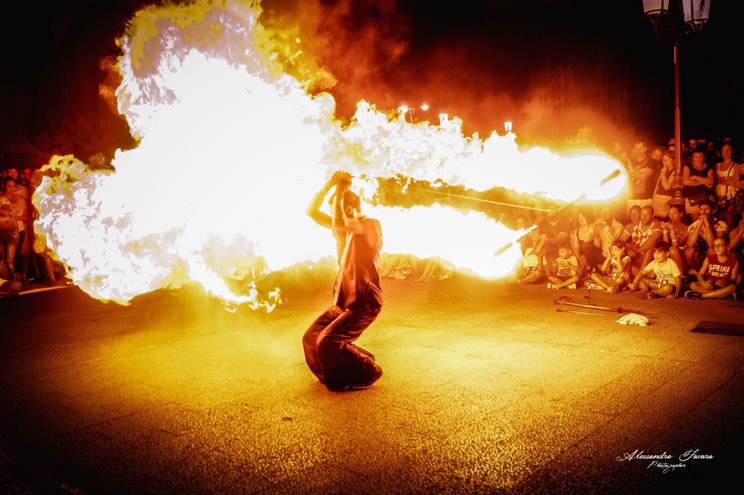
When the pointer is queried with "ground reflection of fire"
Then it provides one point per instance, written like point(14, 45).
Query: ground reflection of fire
point(230, 150)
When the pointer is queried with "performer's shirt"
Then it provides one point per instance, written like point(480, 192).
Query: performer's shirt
point(358, 281)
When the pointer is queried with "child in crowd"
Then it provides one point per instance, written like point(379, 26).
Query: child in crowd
point(661, 277)
point(564, 270)
point(615, 270)
point(717, 278)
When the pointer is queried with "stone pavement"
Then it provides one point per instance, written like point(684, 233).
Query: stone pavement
point(487, 389)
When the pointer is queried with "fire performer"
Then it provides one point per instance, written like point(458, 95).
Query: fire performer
point(329, 346)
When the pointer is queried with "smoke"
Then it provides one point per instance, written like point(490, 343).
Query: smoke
point(392, 53)
point(348, 48)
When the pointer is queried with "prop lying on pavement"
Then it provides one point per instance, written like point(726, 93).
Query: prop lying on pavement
point(565, 302)
point(577, 312)
point(633, 319)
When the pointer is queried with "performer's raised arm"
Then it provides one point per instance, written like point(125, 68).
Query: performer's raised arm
point(313, 209)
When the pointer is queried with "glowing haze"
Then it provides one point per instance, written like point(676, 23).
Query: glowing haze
point(231, 150)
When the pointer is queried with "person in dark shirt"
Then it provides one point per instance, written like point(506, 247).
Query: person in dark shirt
point(328, 343)
point(698, 179)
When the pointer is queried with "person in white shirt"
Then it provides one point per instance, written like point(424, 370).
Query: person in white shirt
point(661, 277)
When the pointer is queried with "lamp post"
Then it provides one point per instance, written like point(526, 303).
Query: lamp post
point(674, 18)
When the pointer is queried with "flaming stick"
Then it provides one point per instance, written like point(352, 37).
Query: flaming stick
point(615, 174)
point(471, 198)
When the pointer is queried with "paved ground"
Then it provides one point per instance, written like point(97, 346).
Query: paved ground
point(487, 388)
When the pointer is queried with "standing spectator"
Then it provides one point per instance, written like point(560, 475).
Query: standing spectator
point(713, 153)
point(640, 171)
point(698, 181)
point(718, 275)
point(656, 155)
point(25, 179)
point(11, 211)
point(618, 152)
point(728, 182)
point(663, 190)
point(691, 145)
point(641, 238)
point(20, 188)
point(18, 199)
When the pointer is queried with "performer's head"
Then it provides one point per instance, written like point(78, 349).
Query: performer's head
point(351, 203)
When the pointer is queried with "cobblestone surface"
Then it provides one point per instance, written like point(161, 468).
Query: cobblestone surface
point(487, 389)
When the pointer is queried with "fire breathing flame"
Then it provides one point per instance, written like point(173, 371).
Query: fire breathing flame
point(231, 149)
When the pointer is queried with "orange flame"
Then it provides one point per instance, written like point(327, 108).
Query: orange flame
point(231, 149)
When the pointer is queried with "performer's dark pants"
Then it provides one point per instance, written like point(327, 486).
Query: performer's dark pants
point(330, 352)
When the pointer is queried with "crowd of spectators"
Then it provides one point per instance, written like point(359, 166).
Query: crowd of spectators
point(23, 254)
point(658, 242)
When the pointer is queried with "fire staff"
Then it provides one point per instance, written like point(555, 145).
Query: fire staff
point(329, 346)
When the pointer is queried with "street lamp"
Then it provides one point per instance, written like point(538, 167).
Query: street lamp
point(675, 17)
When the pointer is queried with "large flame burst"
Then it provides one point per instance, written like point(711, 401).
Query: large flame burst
point(231, 149)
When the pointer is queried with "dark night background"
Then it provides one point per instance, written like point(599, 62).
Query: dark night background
point(552, 67)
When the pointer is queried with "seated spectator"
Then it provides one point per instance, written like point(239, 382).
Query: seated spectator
point(435, 269)
point(634, 214)
point(607, 229)
point(640, 238)
point(555, 228)
point(530, 271)
point(408, 266)
point(563, 272)
point(614, 274)
point(661, 277)
point(675, 233)
point(718, 275)
point(700, 238)
point(582, 241)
